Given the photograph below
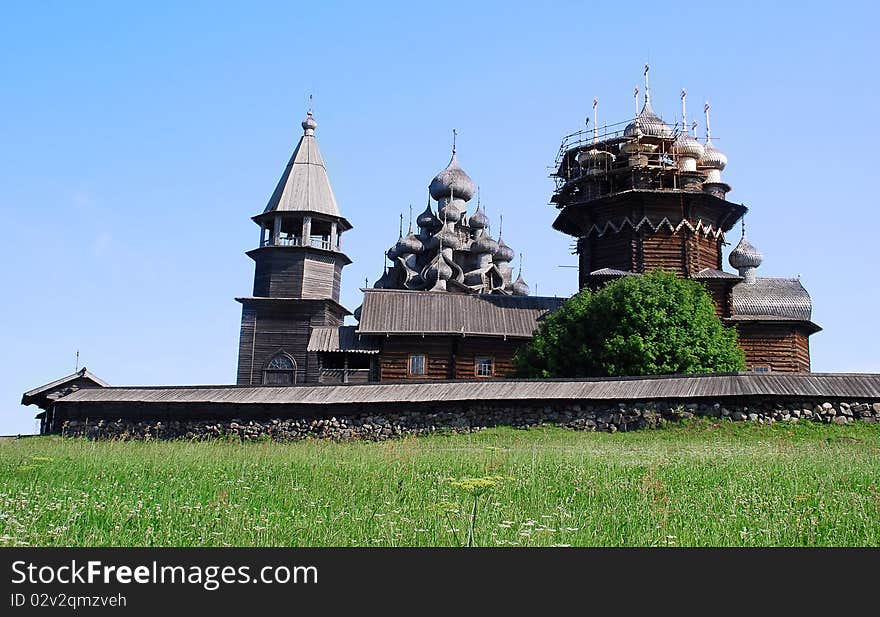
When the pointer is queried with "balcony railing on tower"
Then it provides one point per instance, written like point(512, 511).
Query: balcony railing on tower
point(318, 242)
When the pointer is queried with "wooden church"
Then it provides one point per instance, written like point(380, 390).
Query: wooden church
point(649, 195)
point(634, 196)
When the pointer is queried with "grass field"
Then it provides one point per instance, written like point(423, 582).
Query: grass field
point(695, 484)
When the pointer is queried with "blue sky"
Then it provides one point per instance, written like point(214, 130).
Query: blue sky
point(140, 137)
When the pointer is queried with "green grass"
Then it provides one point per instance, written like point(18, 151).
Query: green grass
point(694, 484)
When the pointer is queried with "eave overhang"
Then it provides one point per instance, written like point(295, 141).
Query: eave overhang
point(452, 333)
point(283, 247)
point(807, 325)
point(343, 223)
point(281, 302)
point(568, 220)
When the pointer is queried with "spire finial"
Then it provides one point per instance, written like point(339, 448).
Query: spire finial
point(708, 130)
point(520, 264)
point(309, 125)
point(684, 123)
point(694, 127)
point(500, 225)
point(744, 226)
point(410, 218)
point(647, 90)
point(478, 197)
point(454, 135)
point(636, 101)
point(400, 228)
point(595, 120)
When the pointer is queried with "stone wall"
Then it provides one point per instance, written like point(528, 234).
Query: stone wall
point(377, 426)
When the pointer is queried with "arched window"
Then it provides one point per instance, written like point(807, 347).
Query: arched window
point(280, 371)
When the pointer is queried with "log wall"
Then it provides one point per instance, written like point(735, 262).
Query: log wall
point(470, 348)
point(719, 291)
point(612, 250)
point(702, 252)
point(396, 350)
point(782, 348)
point(662, 249)
point(447, 357)
point(683, 252)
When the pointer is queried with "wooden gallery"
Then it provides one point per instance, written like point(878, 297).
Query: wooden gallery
point(634, 196)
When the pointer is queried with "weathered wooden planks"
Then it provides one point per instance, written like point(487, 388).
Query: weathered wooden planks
point(837, 386)
point(782, 348)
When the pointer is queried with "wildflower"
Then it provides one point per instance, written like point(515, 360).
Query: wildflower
point(474, 487)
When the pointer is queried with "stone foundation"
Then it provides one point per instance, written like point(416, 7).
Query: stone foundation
point(606, 416)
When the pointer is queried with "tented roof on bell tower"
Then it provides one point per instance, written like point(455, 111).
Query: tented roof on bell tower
point(304, 186)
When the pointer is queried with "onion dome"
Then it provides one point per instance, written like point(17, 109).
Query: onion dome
point(452, 211)
point(431, 243)
point(409, 244)
point(484, 244)
point(443, 270)
point(592, 157)
point(393, 252)
point(687, 146)
point(650, 124)
point(448, 238)
point(635, 147)
point(479, 220)
point(386, 281)
point(428, 220)
point(438, 270)
point(504, 253)
point(519, 286)
point(745, 255)
point(309, 124)
point(452, 180)
point(712, 158)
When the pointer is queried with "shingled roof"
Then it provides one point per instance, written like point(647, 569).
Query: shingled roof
point(340, 338)
point(304, 186)
point(789, 385)
point(783, 298)
point(387, 311)
point(44, 395)
point(611, 272)
point(712, 273)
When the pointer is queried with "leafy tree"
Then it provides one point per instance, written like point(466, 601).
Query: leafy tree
point(650, 324)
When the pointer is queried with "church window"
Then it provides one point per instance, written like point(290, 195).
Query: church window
point(417, 364)
point(280, 371)
point(484, 367)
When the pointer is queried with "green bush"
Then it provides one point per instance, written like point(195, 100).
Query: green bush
point(650, 324)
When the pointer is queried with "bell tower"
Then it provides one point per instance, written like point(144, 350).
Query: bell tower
point(298, 271)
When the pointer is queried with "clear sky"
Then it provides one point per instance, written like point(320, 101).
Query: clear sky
point(138, 139)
